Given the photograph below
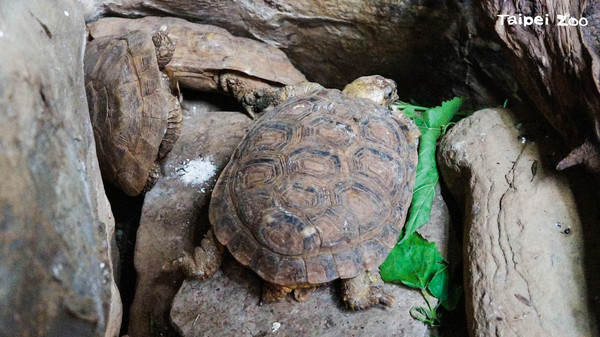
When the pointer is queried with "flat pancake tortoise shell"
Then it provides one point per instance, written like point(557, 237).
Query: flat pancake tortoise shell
point(318, 189)
point(135, 117)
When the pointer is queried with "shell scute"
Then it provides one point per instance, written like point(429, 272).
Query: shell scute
point(314, 162)
point(321, 268)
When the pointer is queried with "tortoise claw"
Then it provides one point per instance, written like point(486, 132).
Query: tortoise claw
point(250, 111)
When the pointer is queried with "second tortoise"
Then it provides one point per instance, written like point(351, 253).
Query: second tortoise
point(318, 190)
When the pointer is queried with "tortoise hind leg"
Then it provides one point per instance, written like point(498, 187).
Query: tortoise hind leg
point(272, 292)
point(204, 262)
point(174, 120)
point(302, 294)
point(365, 291)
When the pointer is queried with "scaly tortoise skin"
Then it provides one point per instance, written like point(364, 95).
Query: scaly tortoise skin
point(319, 188)
point(209, 58)
point(135, 117)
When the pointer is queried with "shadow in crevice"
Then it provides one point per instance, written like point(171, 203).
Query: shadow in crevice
point(126, 211)
point(454, 323)
point(586, 191)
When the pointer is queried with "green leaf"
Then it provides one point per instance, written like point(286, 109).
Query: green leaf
point(441, 288)
point(431, 122)
point(414, 262)
point(438, 286)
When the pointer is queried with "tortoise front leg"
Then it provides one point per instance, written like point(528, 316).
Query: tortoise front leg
point(255, 95)
point(153, 175)
point(365, 291)
point(204, 262)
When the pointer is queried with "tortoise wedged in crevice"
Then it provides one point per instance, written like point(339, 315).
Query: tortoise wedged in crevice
point(318, 190)
point(135, 117)
point(210, 59)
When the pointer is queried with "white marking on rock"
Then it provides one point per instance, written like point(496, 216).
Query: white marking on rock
point(1, 33)
point(57, 270)
point(275, 327)
point(197, 171)
point(66, 13)
point(459, 145)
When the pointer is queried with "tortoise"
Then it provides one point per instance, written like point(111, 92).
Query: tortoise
point(318, 190)
point(135, 114)
point(209, 58)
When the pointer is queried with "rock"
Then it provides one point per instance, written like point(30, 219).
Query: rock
point(523, 239)
point(433, 49)
point(558, 66)
point(173, 213)
point(56, 227)
point(439, 229)
point(227, 304)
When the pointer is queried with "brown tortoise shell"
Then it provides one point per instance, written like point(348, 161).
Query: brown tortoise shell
point(208, 49)
point(131, 107)
point(318, 189)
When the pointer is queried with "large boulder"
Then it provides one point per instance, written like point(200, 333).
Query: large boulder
point(523, 236)
point(227, 304)
point(433, 49)
point(557, 63)
point(173, 213)
point(56, 227)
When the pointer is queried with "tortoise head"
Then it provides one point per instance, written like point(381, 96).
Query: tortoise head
point(376, 88)
point(164, 47)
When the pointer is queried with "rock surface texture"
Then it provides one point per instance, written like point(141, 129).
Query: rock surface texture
point(172, 214)
point(433, 49)
point(56, 227)
point(523, 236)
point(557, 64)
point(227, 304)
